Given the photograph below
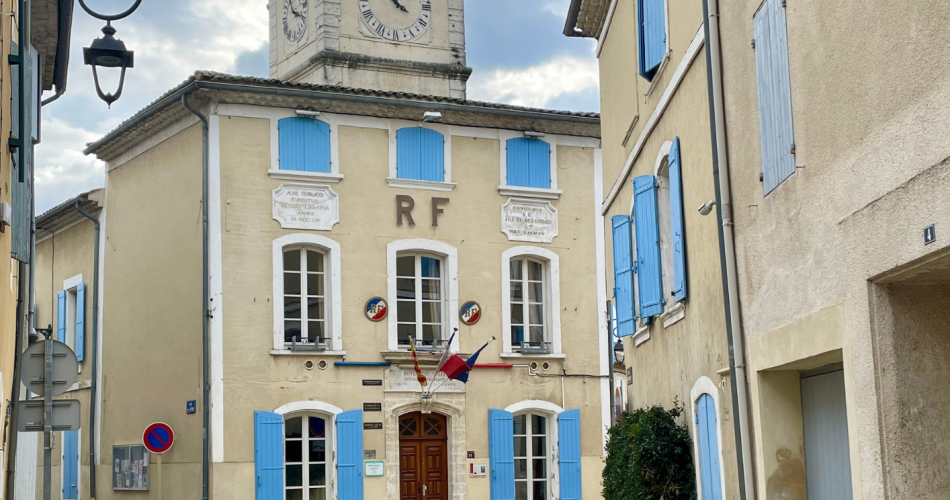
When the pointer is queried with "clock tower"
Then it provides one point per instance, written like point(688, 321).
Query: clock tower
point(415, 46)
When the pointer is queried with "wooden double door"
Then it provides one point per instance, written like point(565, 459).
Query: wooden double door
point(423, 457)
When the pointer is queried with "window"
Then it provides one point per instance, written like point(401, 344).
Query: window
point(528, 162)
point(305, 283)
point(420, 300)
point(776, 134)
point(420, 154)
point(304, 144)
point(665, 225)
point(649, 272)
point(305, 457)
point(71, 316)
point(624, 272)
point(651, 15)
point(527, 305)
point(70, 467)
point(531, 456)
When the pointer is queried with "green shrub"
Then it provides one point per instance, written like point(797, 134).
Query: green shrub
point(649, 457)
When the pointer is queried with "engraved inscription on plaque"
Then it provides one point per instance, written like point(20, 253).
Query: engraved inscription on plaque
point(529, 220)
point(306, 206)
point(405, 380)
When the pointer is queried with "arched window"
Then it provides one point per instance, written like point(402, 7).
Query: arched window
point(307, 309)
point(307, 464)
point(531, 301)
point(665, 225)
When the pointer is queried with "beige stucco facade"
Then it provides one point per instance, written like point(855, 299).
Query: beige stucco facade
point(683, 352)
point(833, 264)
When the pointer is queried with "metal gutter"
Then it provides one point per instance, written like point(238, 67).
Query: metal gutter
point(571, 23)
point(61, 69)
point(322, 94)
point(95, 350)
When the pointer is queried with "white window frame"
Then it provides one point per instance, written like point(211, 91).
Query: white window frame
point(329, 413)
point(70, 286)
point(702, 386)
point(394, 181)
point(551, 411)
point(673, 310)
point(62, 469)
point(449, 256)
point(552, 307)
point(418, 301)
point(504, 189)
point(333, 304)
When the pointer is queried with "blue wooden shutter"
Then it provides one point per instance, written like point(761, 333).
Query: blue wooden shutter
point(652, 23)
point(708, 437)
point(21, 176)
point(776, 134)
point(61, 316)
point(349, 445)
point(420, 154)
point(569, 453)
point(304, 144)
point(269, 455)
point(501, 454)
point(71, 464)
point(649, 272)
point(624, 269)
point(529, 162)
point(676, 219)
point(81, 321)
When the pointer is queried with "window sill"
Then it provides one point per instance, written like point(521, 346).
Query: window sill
point(642, 335)
point(529, 192)
point(414, 184)
point(531, 355)
point(297, 175)
point(656, 76)
point(673, 315)
point(288, 352)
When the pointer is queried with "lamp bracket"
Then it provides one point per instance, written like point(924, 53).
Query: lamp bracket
point(113, 17)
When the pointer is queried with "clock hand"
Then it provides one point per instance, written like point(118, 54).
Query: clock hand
point(400, 6)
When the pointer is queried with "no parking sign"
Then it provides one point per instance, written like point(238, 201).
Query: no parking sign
point(158, 437)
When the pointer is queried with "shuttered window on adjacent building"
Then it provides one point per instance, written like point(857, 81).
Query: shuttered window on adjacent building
point(624, 270)
point(420, 154)
point(529, 162)
point(22, 175)
point(651, 15)
point(304, 144)
point(649, 270)
point(678, 229)
point(268, 456)
point(775, 94)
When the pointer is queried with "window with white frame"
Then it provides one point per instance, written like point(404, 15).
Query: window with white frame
point(532, 453)
point(306, 463)
point(305, 297)
point(528, 298)
point(420, 300)
point(666, 229)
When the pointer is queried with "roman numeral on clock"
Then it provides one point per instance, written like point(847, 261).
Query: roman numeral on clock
point(380, 29)
point(426, 6)
point(367, 14)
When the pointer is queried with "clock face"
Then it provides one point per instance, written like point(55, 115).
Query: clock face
point(397, 20)
point(295, 19)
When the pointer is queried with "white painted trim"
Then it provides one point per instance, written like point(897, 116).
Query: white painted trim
point(604, 335)
point(335, 302)
point(665, 149)
point(651, 123)
point(607, 22)
point(326, 354)
point(216, 289)
point(306, 406)
point(553, 289)
point(102, 309)
point(73, 282)
point(706, 386)
point(673, 314)
point(62, 460)
point(397, 125)
point(296, 175)
point(551, 410)
point(151, 141)
point(450, 254)
point(527, 192)
point(641, 335)
point(530, 356)
point(534, 404)
point(503, 137)
point(417, 184)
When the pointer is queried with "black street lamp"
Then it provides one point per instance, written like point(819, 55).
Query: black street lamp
point(108, 51)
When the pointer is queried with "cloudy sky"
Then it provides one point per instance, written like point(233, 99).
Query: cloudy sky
point(515, 47)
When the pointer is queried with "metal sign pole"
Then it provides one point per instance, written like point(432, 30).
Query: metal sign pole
point(159, 476)
point(48, 420)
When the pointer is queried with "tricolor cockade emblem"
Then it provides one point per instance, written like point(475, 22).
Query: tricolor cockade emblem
point(376, 309)
point(470, 312)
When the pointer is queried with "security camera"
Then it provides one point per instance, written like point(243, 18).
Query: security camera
point(707, 207)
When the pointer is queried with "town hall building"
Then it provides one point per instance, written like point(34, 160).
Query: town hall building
point(270, 252)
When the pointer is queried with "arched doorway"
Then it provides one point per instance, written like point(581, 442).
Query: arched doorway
point(423, 457)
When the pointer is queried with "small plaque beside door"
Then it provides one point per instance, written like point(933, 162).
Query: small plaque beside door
point(374, 468)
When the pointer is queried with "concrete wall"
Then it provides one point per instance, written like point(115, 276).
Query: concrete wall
point(870, 178)
point(669, 363)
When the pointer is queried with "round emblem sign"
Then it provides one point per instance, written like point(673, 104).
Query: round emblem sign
point(158, 437)
point(376, 309)
point(470, 312)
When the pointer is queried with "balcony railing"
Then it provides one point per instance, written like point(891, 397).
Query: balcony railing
point(423, 345)
point(307, 344)
point(532, 347)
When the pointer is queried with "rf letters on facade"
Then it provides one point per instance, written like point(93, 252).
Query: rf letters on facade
point(306, 206)
point(529, 220)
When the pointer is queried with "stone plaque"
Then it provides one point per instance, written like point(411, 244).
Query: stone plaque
point(372, 382)
point(306, 206)
point(372, 426)
point(372, 407)
point(533, 221)
point(369, 454)
point(405, 380)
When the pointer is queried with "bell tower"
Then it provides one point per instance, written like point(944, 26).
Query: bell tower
point(415, 46)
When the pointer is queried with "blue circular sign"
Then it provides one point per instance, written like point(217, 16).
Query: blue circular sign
point(158, 437)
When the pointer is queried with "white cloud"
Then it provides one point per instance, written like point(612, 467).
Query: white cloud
point(63, 172)
point(557, 7)
point(535, 86)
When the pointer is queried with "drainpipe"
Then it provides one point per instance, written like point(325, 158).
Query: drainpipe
point(727, 251)
point(95, 350)
point(205, 304)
